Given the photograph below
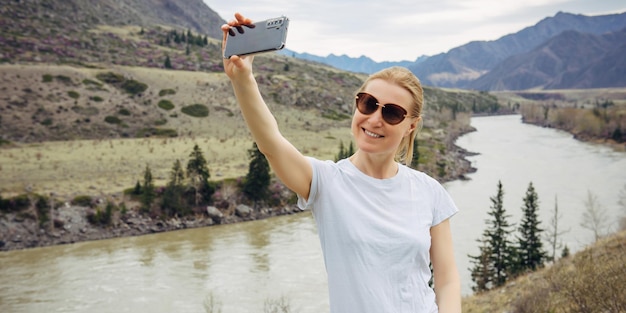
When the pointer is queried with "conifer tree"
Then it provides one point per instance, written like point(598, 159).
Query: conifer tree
point(415, 158)
point(148, 195)
point(168, 62)
point(198, 174)
point(498, 250)
point(342, 152)
point(530, 252)
point(256, 186)
point(482, 272)
point(173, 201)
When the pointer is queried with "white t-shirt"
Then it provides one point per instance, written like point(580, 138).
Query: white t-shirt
point(375, 236)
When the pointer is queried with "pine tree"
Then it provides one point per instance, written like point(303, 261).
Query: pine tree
point(498, 251)
point(482, 272)
point(168, 62)
point(198, 174)
point(530, 249)
point(256, 186)
point(173, 201)
point(342, 152)
point(416, 154)
point(148, 195)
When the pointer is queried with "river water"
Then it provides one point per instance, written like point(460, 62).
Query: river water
point(242, 267)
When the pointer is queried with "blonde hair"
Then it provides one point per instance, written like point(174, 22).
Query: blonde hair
point(405, 79)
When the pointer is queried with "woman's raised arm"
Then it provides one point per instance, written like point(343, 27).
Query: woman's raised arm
point(293, 168)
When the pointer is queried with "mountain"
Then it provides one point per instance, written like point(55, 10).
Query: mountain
point(84, 14)
point(460, 66)
point(570, 60)
point(362, 64)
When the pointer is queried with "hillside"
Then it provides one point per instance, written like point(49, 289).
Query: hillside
point(67, 77)
point(592, 280)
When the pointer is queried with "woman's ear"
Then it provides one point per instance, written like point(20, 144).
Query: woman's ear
point(413, 125)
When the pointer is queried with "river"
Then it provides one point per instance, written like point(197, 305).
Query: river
point(243, 266)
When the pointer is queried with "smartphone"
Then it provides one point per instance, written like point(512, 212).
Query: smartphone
point(263, 36)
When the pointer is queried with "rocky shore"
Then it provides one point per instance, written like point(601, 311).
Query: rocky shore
point(70, 224)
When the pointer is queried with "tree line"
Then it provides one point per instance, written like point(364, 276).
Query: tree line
point(190, 187)
point(505, 254)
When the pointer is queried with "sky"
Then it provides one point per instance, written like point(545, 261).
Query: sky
point(398, 30)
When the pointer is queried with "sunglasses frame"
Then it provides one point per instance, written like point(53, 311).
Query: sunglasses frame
point(389, 106)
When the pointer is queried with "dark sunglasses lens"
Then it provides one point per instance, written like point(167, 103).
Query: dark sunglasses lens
point(366, 103)
point(393, 114)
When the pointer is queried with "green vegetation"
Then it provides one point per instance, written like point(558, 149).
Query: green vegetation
point(134, 87)
point(165, 92)
point(256, 184)
point(46, 78)
point(124, 112)
point(89, 82)
point(112, 120)
point(157, 132)
point(334, 115)
point(602, 120)
point(111, 78)
point(88, 111)
point(165, 104)
point(96, 99)
point(73, 94)
point(82, 200)
point(196, 110)
point(592, 280)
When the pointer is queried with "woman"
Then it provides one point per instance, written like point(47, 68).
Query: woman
point(380, 223)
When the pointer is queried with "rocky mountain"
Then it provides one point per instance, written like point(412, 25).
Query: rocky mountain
point(462, 65)
point(570, 60)
point(189, 14)
point(361, 64)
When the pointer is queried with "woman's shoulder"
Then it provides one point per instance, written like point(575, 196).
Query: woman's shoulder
point(419, 175)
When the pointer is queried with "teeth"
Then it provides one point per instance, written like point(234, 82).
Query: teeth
point(369, 133)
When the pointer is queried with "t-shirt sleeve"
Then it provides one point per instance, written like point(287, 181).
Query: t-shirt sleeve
point(444, 207)
point(305, 204)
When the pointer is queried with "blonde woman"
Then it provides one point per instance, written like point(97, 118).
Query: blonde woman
point(380, 223)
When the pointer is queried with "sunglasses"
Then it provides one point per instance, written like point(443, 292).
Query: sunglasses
point(392, 113)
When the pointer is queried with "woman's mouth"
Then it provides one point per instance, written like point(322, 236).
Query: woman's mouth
point(369, 133)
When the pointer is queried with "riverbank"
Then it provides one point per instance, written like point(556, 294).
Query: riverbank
point(70, 223)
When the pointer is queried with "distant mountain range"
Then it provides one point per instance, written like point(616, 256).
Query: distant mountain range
point(560, 52)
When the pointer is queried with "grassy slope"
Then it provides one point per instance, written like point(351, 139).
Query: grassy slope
point(594, 277)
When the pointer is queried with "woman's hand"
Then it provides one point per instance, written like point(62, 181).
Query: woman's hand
point(236, 67)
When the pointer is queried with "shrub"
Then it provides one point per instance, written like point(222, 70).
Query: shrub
point(134, 87)
point(47, 121)
point(96, 99)
point(110, 78)
point(88, 82)
point(157, 132)
point(73, 94)
point(112, 120)
point(124, 112)
point(165, 92)
point(46, 78)
point(166, 105)
point(82, 200)
point(196, 110)
point(64, 79)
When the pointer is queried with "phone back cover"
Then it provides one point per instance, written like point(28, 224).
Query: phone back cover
point(268, 35)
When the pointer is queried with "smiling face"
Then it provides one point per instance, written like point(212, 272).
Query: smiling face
point(372, 134)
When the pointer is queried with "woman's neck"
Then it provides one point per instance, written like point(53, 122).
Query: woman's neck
point(376, 166)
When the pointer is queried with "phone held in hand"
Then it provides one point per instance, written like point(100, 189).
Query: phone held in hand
point(263, 36)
